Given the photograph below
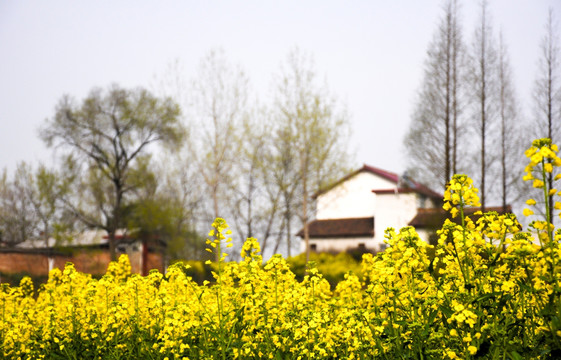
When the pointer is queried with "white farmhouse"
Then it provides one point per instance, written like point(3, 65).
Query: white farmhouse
point(356, 210)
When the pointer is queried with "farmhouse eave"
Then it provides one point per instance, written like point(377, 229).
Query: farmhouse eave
point(415, 188)
point(434, 218)
point(365, 168)
point(340, 228)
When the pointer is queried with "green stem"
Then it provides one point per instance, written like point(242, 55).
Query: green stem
point(3, 319)
point(466, 275)
point(548, 223)
point(547, 204)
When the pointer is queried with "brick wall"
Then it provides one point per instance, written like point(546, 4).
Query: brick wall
point(88, 261)
point(31, 263)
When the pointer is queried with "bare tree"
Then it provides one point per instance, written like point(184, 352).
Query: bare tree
point(31, 203)
point(18, 219)
point(219, 100)
point(433, 141)
point(317, 128)
point(484, 91)
point(255, 209)
point(282, 180)
point(105, 136)
point(183, 186)
point(547, 90)
point(511, 134)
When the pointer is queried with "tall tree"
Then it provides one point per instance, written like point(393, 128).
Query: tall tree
point(30, 206)
point(270, 180)
point(254, 210)
point(284, 180)
point(183, 185)
point(547, 89)
point(432, 142)
point(317, 127)
point(511, 134)
point(45, 191)
point(105, 136)
point(484, 91)
point(219, 97)
point(18, 219)
point(160, 213)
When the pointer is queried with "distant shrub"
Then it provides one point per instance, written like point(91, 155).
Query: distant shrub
point(332, 267)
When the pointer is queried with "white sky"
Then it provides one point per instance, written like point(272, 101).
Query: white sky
point(371, 53)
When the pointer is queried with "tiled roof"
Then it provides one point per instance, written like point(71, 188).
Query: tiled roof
point(88, 238)
point(390, 176)
point(417, 188)
point(338, 228)
point(383, 173)
point(434, 218)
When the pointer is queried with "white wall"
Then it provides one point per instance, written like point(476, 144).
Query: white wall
point(352, 198)
point(393, 210)
point(342, 244)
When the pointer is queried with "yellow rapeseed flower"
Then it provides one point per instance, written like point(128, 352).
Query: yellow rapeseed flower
point(527, 212)
point(538, 184)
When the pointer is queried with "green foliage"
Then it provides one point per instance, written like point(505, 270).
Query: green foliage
point(333, 267)
point(14, 279)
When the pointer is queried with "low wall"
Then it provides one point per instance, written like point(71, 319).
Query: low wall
point(92, 261)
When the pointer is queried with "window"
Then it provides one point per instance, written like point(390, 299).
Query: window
point(313, 247)
point(421, 201)
point(361, 246)
point(433, 239)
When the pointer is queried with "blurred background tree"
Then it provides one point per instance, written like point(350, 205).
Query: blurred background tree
point(547, 90)
point(436, 140)
point(104, 139)
point(316, 125)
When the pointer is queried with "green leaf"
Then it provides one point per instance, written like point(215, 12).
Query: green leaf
point(513, 355)
point(446, 311)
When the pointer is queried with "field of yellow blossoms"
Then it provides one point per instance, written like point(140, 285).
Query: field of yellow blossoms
point(492, 291)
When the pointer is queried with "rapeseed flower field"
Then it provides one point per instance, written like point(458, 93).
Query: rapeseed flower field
point(492, 291)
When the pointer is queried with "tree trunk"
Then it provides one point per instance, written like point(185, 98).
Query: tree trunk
point(483, 100)
point(144, 265)
point(455, 55)
point(305, 213)
point(112, 246)
point(447, 167)
point(550, 91)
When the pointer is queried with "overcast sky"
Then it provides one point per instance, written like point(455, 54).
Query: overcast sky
point(370, 52)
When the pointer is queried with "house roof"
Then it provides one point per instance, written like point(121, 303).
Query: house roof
point(413, 186)
point(338, 228)
point(93, 238)
point(417, 188)
point(434, 218)
point(40, 251)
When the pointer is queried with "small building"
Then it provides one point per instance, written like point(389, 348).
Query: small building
point(355, 211)
point(88, 251)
